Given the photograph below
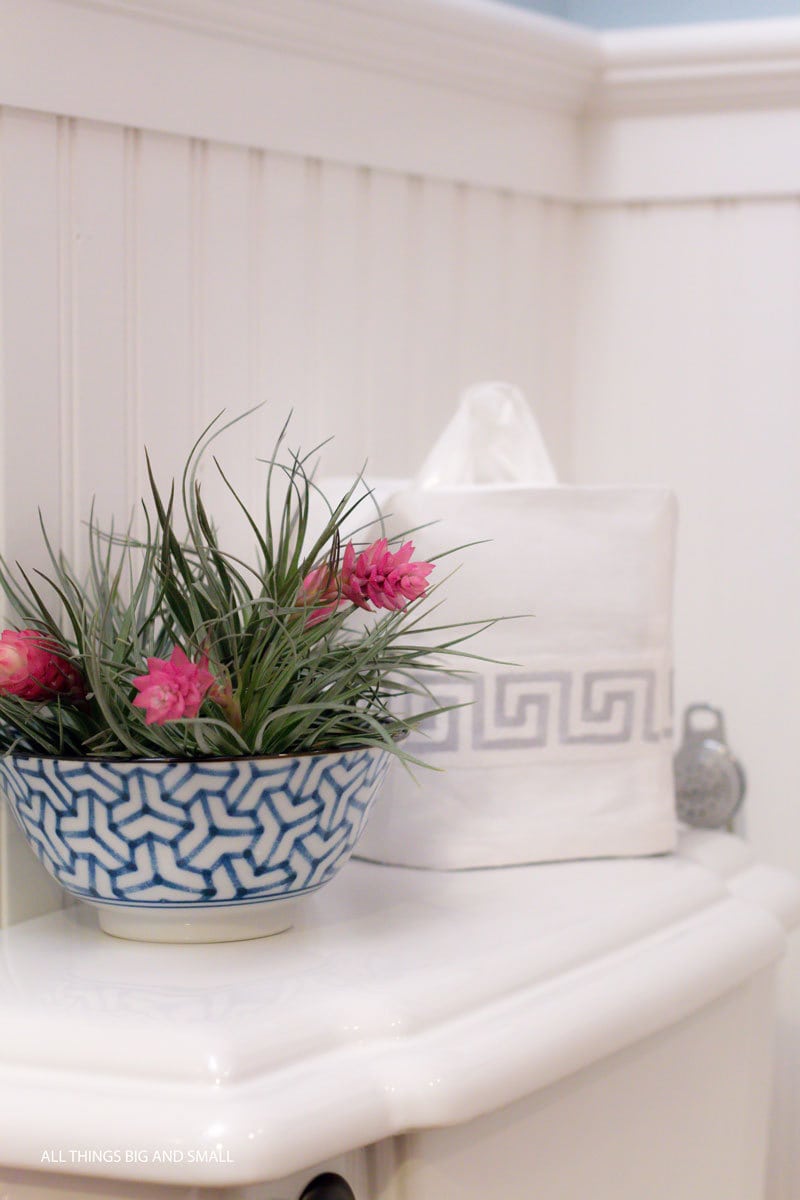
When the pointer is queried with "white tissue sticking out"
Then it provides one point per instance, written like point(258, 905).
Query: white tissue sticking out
point(493, 438)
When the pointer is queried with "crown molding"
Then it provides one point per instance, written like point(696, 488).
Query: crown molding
point(470, 45)
point(696, 113)
point(700, 68)
point(491, 49)
point(465, 90)
point(471, 91)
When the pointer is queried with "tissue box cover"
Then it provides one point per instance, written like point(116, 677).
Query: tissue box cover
point(567, 753)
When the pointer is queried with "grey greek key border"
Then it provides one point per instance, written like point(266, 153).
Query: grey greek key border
point(534, 710)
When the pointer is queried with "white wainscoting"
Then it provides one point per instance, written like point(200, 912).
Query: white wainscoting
point(346, 212)
point(355, 209)
point(150, 281)
point(686, 373)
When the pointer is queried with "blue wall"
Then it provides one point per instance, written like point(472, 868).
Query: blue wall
point(622, 14)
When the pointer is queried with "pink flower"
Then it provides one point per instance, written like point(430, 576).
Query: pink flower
point(387, 579)
point(321, 589)
point(172, 688)
point(32, 667)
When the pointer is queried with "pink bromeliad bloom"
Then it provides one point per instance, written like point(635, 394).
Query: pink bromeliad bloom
point(382, 577)
point(320, 590)
point(172, 688)
point(33, 667)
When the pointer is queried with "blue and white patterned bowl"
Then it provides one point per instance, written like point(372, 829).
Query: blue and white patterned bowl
point(203, 851)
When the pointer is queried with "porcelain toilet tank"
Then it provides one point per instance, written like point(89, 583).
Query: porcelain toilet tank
point(578, 1029)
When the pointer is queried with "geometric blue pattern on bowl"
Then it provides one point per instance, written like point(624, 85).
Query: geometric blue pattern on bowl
point(222, 832)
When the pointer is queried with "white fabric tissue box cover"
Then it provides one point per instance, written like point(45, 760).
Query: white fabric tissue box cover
point(568, 753)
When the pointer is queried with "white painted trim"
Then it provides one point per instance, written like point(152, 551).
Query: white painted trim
point(669, 158)
point(696, 113)
point(467, 90)
point(728, 66)
point(471, 45)
point(489, 48)
point(458, 89)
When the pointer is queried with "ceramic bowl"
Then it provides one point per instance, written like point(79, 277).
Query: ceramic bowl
point(194, 851)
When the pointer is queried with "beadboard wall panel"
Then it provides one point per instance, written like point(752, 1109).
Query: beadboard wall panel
point(34, 373)
point(687, 368)
point(151, 281)
point(345, 221)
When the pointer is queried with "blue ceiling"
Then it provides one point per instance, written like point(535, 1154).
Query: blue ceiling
point(624, 14)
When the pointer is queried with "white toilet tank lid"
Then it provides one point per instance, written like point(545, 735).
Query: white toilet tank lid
point(405, 999)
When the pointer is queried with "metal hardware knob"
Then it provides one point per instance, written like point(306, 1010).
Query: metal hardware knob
point(709, 782)
point(328, 1187)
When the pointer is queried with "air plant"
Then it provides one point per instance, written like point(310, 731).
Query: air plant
point(170, 646)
